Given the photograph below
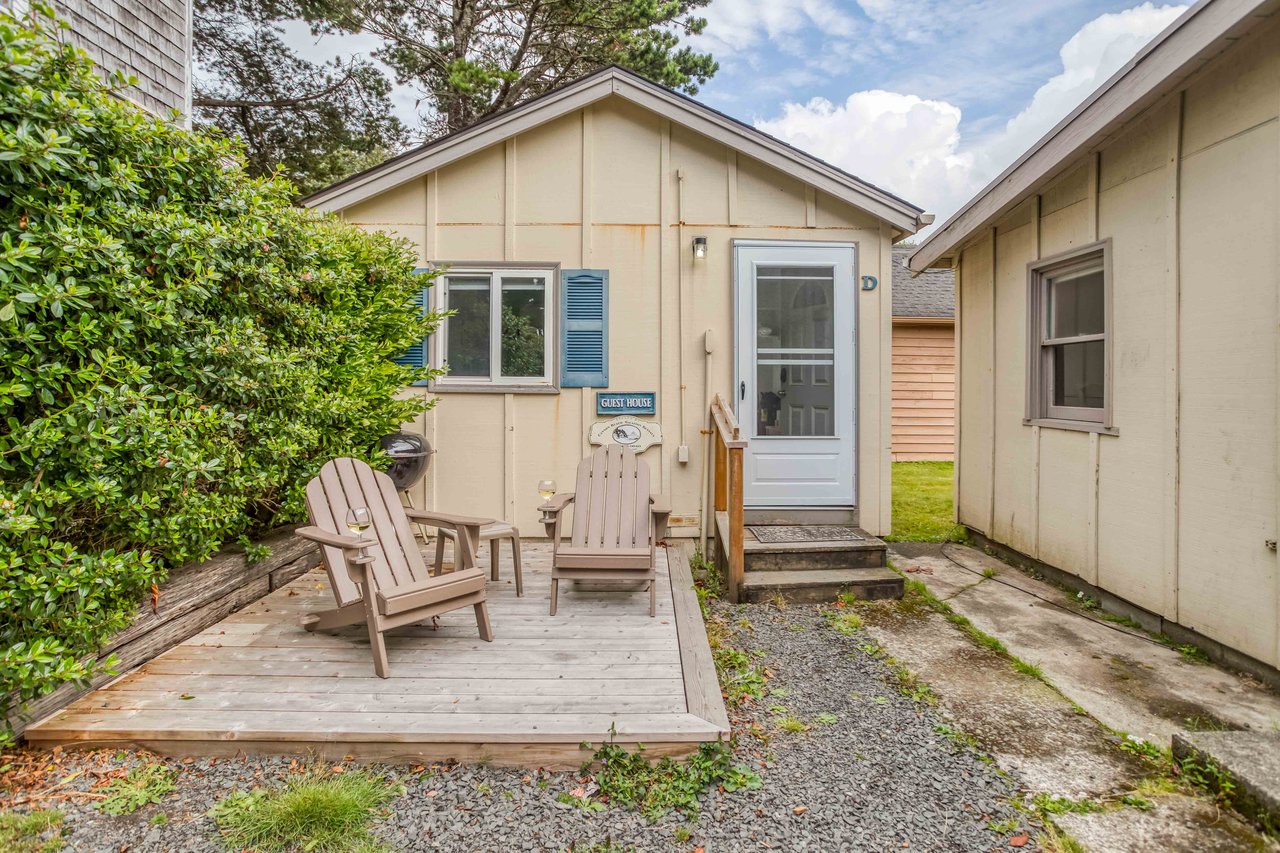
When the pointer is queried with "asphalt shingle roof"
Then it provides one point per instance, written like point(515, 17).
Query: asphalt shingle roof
point(930, 294)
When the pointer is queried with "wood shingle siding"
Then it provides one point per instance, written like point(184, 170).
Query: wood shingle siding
point(924, 392)
point(147, 40)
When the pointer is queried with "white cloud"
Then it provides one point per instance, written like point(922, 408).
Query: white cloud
point(736, 26)
point(916, 147)
point(903, 143)
point(1089, 58)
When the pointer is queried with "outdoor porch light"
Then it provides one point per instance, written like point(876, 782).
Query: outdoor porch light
point(699, 247)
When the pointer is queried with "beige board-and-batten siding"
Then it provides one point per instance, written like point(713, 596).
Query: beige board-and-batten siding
point(148, 40)
point(924, 390)
point(1173, 513)
point(616, 186)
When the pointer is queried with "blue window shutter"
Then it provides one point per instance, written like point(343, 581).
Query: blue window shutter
point(416, 355)
point(584, 329)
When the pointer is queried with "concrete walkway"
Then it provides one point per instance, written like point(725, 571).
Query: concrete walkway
point(1121, 676)
point(1113, 682)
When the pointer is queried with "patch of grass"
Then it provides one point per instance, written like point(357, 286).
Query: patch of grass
point(922, 503)
point(159, 819)
point(31, 832)
point(988, 572)
point(317, 810)
point(1048, 804)
point(844, 622)
point(1137, 801)
point(1055, 840)
point(964, 740)
point(141, 786)
point(1203, 723)
point(1027, 668)
point(1154, 753)
point(682, 834)
point(630, 780)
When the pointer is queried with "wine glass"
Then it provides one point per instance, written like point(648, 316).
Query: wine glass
point(546, 489)
point(358, 521)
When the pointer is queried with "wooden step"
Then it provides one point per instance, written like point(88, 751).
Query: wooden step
point(817, 585)
point(801, 515)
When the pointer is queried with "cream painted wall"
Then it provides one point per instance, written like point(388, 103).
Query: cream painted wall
point(1174, 513)
point(617, 187)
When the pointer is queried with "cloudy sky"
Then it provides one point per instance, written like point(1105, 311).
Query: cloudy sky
point(929, 99)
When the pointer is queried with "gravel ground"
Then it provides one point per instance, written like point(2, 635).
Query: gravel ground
point(878, 778)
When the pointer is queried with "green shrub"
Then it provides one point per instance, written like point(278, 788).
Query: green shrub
point(180, 350)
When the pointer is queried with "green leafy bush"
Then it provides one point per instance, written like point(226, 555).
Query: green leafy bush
point(180, 350)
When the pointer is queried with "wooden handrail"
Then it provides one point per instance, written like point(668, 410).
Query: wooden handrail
point(728, 444)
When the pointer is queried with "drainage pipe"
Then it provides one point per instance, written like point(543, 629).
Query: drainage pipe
point(708, 345)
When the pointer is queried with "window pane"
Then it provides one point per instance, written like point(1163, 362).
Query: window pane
point(795, 313)
point(792, 402)
point(524, 326)
point(1079, 374)
point(1076, 304)
point(468, 331)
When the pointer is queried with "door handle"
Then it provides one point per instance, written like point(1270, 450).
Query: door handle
point(742, 390)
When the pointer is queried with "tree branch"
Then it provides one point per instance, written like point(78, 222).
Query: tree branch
point(278, 103)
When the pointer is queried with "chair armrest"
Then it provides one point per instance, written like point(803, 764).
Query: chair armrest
point(556, 504)
point(443, 519)
point(551, 516)
point(660, 508)
point(335, 540)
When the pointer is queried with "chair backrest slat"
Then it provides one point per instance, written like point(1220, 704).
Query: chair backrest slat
point(346, 483)
point(611, 501)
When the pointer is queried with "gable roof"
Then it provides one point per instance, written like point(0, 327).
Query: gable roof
point(616, 81)
point(929, 295)
point(1196, 37)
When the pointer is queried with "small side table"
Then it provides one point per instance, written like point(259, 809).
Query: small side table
point(493, 533)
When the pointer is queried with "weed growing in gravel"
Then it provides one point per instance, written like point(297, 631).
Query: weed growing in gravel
point(846, 623)
point(908, 682)
point(606, 846)
point(33, 832)
point(579, 799)
point(682, 834)
point(139, 787)
point(740, 678)
point(655, 788)
point(827, 718)
point(792, 724)
point(964, 740)
point(989, 572)
point(1204, 773)
point(316, 811)
point(1003, 827)
point(159, 819)
point(1137, 801)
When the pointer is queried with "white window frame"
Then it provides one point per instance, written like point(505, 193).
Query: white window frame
point(1041, 344)
point(496, 272)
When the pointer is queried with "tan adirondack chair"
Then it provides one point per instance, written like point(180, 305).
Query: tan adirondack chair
point(380, 578)
point(616, 524)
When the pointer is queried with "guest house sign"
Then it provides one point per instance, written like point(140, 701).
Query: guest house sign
point(626, 403)
point(627, 431)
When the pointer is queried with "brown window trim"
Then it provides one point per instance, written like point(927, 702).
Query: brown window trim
point(1039, 411)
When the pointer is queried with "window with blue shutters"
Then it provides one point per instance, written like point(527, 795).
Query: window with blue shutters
point(416, 355)
point(584, 329)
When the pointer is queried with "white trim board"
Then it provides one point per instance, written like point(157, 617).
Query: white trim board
point(1201, 33)
point(619, 82)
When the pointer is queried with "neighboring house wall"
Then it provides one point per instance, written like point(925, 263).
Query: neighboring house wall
point(1175, 511)
point(924, 390)
point(148, 40)
point(598, 188)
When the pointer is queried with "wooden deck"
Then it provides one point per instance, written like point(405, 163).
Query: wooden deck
point(258, 683)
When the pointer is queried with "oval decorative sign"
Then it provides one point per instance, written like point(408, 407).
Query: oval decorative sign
point(626, 431)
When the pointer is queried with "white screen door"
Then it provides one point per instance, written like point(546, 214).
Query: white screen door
point(796, 373)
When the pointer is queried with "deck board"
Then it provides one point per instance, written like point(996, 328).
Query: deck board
point(256, 682)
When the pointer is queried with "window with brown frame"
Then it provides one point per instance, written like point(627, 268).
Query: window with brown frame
point(1069, 371)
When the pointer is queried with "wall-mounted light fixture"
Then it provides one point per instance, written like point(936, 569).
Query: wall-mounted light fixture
point(699, 248)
